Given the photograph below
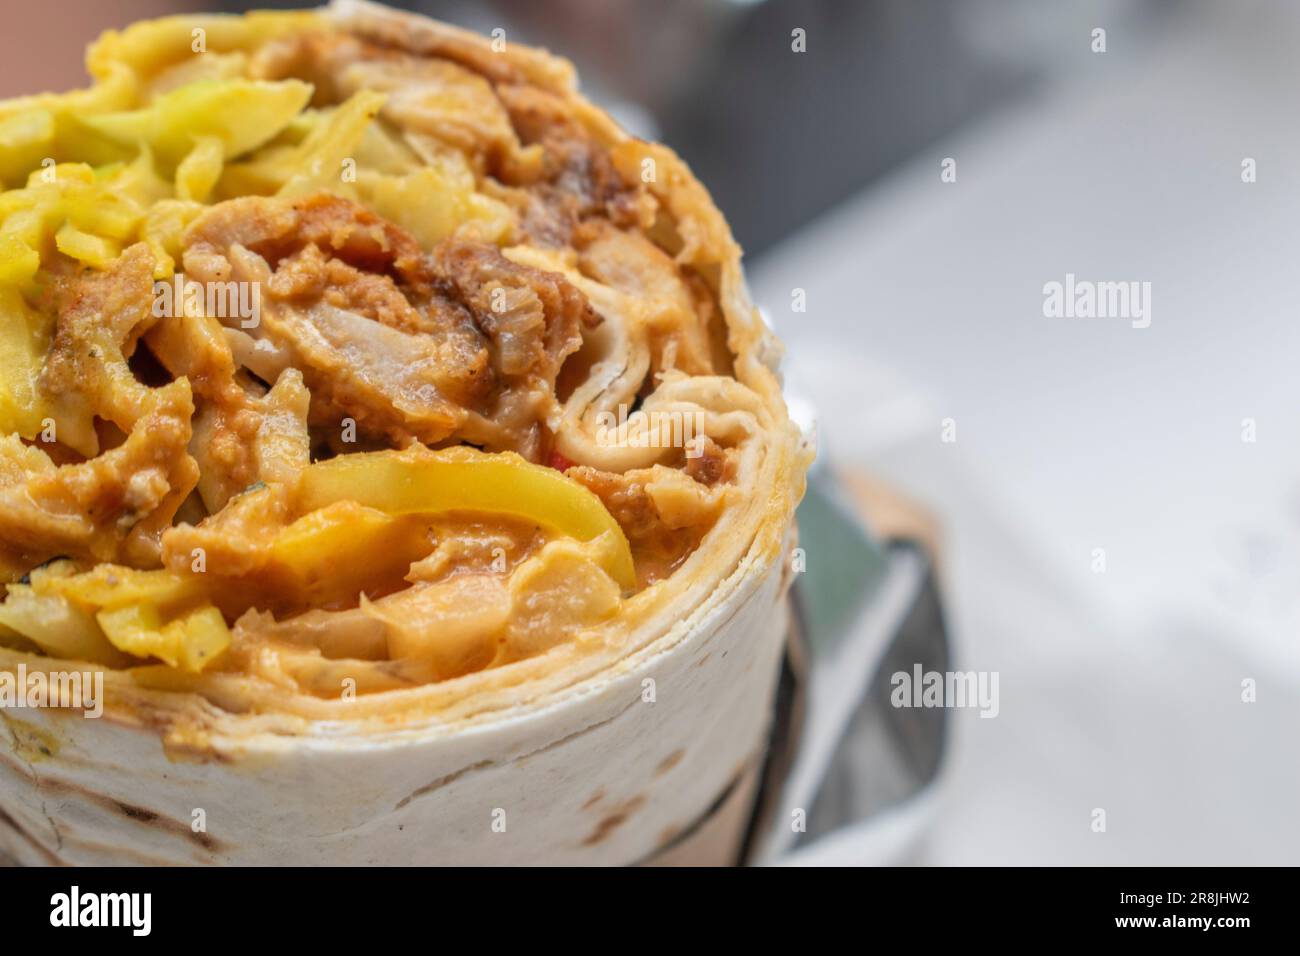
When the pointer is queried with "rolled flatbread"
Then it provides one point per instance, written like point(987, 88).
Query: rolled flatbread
point(393, 467)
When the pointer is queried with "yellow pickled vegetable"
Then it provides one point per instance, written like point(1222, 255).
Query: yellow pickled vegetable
point(315, 163)
point(112, 586)
point(142, 613)
point(200, 170)
point(164, 225)
point(18, 261)
point(86, 247)
point(24, 338)
point(191, 642)
point(148, 48)
point(436, 201)
point(56, 626)
point(25, 139)
point(242, 114)
point(85, 213)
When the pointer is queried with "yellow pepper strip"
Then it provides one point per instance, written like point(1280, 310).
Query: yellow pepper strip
point(314, 561)
point(462, 479)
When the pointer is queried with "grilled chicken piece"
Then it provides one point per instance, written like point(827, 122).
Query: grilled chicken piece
point(101, 316)
point(460, 344)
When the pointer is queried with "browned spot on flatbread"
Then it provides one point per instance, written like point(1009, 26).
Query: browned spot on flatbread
point(142, 815)
point(14, 765)
point(137, 813)
point(615, 819)
point(672, 760)
point(675, 835)
point(41, 848)
point(595, 798)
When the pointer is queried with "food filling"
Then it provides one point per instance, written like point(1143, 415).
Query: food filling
point(322, 360)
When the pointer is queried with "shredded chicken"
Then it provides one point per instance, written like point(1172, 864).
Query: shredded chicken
point(576, 179)
point(533, 320)
point(451, 102)
point(711, 465)
point(116, 506)
point(663, 512)
point(629, 262)
point(259, 439)
point(241, 436)
point(237, 539)
point(523, 135)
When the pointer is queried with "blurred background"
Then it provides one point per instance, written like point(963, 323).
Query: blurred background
point(1171, 451)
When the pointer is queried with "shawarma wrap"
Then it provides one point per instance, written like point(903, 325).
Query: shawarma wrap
point(395, 436)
